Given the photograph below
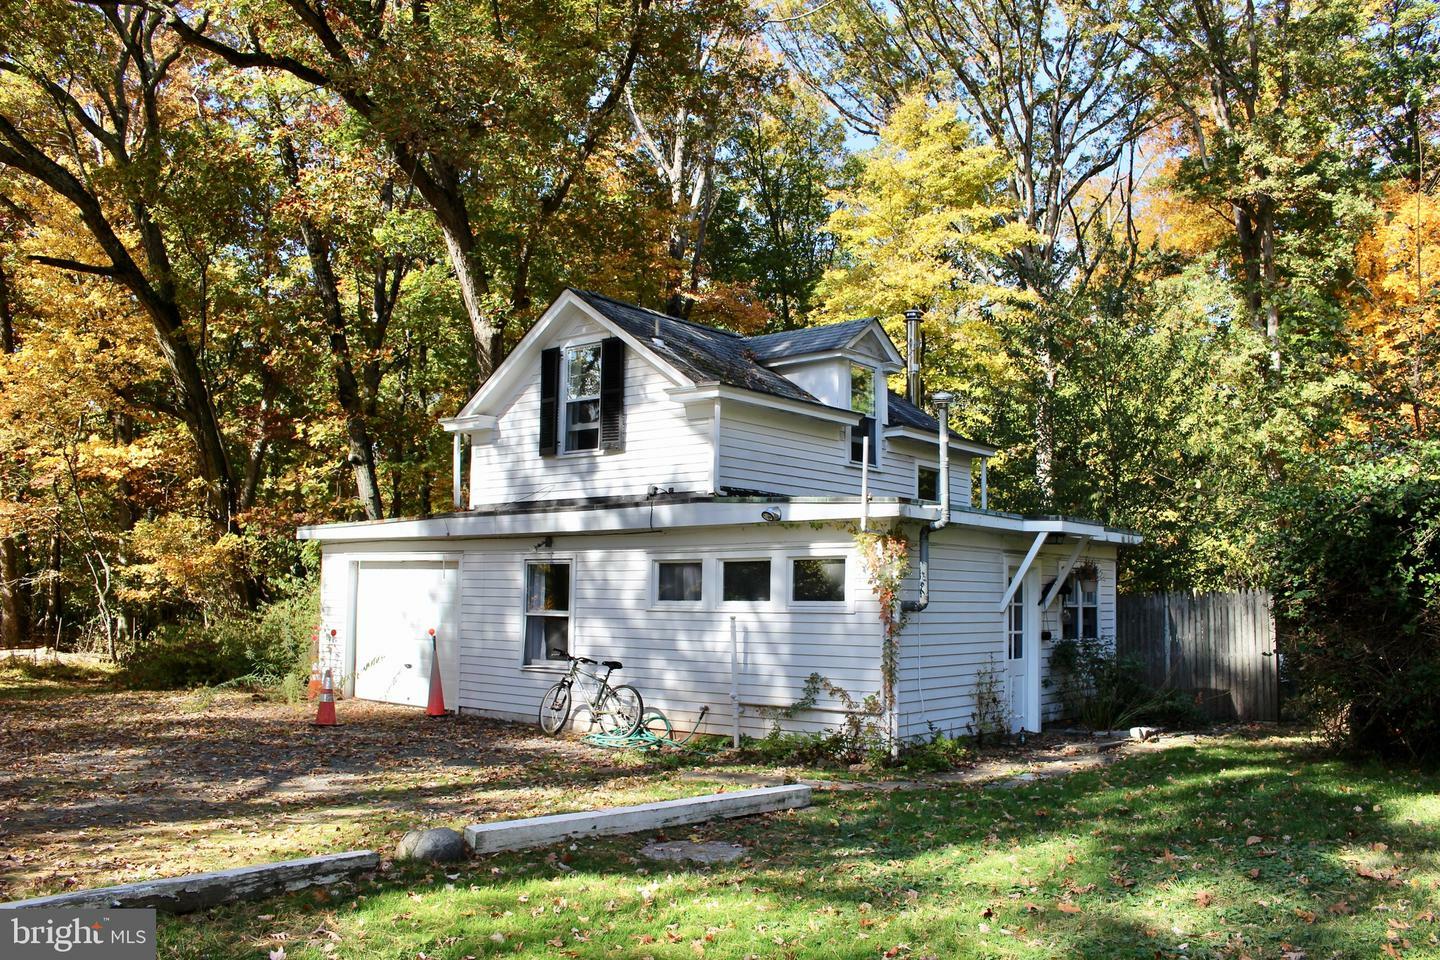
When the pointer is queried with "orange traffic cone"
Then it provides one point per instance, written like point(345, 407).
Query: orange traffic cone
point(313, 690)
point(436, 706)
point(325, 715)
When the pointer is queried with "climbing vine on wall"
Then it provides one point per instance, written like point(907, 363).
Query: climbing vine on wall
point(886, 558)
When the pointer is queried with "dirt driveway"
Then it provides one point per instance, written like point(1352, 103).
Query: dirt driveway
point(100, 787)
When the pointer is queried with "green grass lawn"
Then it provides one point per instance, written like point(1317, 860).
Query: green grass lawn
point(1231, 849)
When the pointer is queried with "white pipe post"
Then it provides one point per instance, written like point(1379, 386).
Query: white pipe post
point(942, 413)
point(734, 683)
point(984, 483)
point(455, 475)
point(865, 484)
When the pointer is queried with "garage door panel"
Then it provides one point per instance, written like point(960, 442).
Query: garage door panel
point(396, 605)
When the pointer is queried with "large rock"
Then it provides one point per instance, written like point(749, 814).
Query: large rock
point(436, 845)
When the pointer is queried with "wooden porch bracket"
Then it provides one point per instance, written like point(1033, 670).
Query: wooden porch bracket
point(1024, 569)
point(1065, 569)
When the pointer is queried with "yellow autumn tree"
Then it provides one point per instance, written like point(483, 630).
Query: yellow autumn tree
point(927, 224)
point(1395, 320)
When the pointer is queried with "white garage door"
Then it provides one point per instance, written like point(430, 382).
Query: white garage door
point(396, 605)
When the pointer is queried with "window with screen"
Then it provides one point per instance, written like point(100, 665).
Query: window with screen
point(745, 581)
point(582, 398)
point(863, 400)
point(679, 581)
point(818, 580)
point(547, 611)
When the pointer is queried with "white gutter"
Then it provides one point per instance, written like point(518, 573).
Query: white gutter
point(984, 483)
point(659, 516)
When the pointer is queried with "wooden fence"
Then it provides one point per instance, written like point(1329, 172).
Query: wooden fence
point(1220, 646)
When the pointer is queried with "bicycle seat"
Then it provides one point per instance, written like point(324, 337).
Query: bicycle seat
point(612, 664)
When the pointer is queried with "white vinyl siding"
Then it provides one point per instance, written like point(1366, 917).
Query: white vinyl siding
point(945, 649)
point(678, 656)
point(795, 456)
point(663, 447)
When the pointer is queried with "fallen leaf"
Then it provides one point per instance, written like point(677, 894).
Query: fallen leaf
point(1065, 906)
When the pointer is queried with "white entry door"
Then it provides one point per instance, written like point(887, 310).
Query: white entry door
point(397, 602)
point(1022, 653)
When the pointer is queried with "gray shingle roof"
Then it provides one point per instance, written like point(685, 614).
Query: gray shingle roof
point(710, 355)
point(902, 413)
point(704, 354)
point(774, 346)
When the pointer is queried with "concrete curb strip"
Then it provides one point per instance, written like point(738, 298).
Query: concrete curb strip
point(541, 831)
point(199, 890)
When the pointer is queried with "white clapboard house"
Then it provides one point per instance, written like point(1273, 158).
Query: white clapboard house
point(634, 487)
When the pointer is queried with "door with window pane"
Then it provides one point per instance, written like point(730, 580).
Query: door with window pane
point(1022, 640)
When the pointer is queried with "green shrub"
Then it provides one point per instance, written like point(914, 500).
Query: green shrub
point(1355, 561)
point(1105, 691)
point(940, 752)
point(268, 649)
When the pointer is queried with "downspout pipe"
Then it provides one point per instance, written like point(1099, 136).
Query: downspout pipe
point(942, 412)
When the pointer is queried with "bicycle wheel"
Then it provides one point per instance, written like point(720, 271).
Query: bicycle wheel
point(620, 711)
point(657, 725)
point(555, 709)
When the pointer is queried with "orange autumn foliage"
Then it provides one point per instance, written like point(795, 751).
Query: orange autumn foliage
point(1395, 318)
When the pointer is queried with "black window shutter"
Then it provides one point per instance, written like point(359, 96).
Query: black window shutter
point(549, 401)
point(612, 394)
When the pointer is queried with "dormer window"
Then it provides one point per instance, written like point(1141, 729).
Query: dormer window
point(863, 400)
point(582, 398)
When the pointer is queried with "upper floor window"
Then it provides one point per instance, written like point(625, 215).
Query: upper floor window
point(927, 484)
point(863, 400)
point(582, 398)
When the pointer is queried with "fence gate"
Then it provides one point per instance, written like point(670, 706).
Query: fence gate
point(1220, 646)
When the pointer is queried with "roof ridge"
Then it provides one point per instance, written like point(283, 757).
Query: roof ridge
point(666, 316)
point(821, 326)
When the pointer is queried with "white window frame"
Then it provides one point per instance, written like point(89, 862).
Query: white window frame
point(546, 666)
point(845, 604)
point(723, 604)
point(564, 396)
point(705, 586)
point(878, 389)
point(1071, 593)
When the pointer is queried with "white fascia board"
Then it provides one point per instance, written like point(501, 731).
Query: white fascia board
point(520, 362)
point(1015, 523)
point(711, 392)
point(933, 440)
point(471, 424)
point(631, 517)
point(660, 516)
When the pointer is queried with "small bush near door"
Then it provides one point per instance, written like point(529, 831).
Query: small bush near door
point(1104, 691)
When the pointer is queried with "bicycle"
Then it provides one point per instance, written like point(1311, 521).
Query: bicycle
point(617, 710)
